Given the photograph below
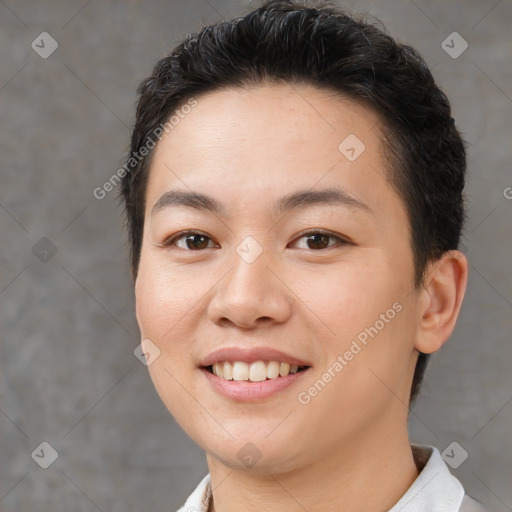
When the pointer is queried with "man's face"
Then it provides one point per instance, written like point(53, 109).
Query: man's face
point(326, 279)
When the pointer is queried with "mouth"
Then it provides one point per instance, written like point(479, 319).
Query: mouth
point(257, 371)
point(255, 374)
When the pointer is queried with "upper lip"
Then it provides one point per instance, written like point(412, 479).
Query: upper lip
point(250, 355)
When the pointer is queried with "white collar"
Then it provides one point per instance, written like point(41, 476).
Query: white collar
point(434, 490)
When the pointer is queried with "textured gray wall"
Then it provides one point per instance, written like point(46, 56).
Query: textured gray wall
point(68, 373)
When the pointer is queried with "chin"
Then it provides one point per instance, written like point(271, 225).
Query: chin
point(257, 453)
point(250, 458)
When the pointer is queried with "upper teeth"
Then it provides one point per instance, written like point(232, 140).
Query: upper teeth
point(255, 372)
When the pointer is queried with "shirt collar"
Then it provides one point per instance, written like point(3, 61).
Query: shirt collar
point(199, 500)
point(434, 490)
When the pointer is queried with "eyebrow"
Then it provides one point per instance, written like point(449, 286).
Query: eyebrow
point(295, 200)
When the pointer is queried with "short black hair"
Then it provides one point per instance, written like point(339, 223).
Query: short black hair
point(282, 41)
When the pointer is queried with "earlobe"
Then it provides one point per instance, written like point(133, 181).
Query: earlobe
point(442, 297)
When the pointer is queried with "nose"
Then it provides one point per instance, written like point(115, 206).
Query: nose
point(251, 295)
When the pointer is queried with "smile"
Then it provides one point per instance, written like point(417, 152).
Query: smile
point(257, 371)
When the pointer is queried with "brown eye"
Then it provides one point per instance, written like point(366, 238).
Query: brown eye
point(318, 240)
point(191, 241)
point(194, 242)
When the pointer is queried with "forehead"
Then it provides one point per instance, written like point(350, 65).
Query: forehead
point(280, 113)
point(265, 140)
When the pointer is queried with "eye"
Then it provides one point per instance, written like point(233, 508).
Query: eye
point(318, 240)
point(190, 240)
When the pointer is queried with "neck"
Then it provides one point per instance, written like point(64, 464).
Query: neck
point(362, 475)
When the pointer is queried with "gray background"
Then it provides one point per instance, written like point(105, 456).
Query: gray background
point(68, 373)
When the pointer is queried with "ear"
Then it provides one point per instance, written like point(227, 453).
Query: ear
point(441, 300)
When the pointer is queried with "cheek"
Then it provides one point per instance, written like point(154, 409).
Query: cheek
point(163, 300)
point(346, 296)
point(368, 313)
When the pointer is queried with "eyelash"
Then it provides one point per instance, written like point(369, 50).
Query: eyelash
point(170, 242)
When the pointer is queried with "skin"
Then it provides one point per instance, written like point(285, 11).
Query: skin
point(247, 148)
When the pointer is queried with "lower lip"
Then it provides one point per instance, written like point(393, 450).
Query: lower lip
point(245, 391)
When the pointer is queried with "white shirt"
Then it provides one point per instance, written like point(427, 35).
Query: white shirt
point(434, 490)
